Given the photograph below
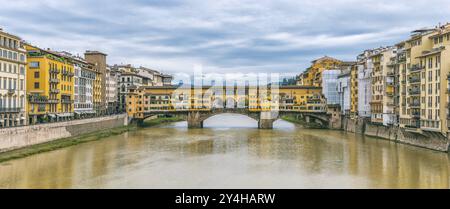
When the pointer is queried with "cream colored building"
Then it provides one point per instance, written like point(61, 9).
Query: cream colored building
point(112, 94)
point(382, 102)
point(423, 80)
point(12, 81)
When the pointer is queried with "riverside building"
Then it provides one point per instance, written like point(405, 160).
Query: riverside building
point(50, 85)
point(12, 81)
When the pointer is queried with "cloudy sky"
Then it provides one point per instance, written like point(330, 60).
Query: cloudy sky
point(223, 36)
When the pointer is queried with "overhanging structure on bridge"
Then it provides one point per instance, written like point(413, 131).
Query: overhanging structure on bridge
point(197, 104)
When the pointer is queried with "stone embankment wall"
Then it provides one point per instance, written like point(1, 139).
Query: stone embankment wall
point(18, 137)
point(426, 139)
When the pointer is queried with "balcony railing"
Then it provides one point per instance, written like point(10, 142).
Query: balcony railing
point(11, 91)
point(415, 68)
point(414, 91)
point(414, 80)
point(54, 71)
point(10, 110)
point(54, 80)
point(67, 73)
point(38, 100)
point(54, 91)
point(414, 104)
point(66, 101)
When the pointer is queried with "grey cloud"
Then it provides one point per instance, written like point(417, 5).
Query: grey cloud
point(224, 36)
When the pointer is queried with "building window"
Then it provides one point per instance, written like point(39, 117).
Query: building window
point(36, 85)
point(34, 64)
point(36, 74)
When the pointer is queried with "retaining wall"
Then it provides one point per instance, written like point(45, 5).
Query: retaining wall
point(425, 139)
point(18, 137)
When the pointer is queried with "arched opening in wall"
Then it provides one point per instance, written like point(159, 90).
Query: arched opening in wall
point(231, 103)
point(282, 124)
point(242, 103)
point(230, 120)
point(217, 103)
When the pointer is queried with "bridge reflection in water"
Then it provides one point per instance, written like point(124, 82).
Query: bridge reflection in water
point(196, 104)
point(172, 156)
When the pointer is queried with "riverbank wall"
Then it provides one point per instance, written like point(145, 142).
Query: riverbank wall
point(19, 137)
point(425, 139)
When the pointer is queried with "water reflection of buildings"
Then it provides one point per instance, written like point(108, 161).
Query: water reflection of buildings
point(328, 155)
point(384, 164)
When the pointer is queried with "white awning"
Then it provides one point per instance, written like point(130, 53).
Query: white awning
point(52, 115)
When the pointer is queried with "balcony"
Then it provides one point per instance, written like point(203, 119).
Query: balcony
point(414, 80)
point(66, 101)
point(67, 73)
point(54, 71)
point(416, 68)
point(414, 91)
point(54, 80)
point(414, 104)
point(37, 99)
point(54, 91)
point(11, 91)
point(10, 110)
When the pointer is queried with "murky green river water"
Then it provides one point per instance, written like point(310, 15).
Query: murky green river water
point(231, 153)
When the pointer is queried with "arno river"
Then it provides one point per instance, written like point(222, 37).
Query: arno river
point(230, 152)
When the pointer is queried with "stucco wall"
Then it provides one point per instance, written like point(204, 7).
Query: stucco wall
point(18, 137)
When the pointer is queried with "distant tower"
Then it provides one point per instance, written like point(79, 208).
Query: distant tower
point(98, 59)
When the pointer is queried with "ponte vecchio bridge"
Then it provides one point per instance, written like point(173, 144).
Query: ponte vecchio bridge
point(196, 104)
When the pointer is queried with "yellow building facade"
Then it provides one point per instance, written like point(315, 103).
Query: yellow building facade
point(50, 85)
point(313, 75)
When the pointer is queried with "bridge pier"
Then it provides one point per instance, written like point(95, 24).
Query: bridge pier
point(195, 124)
point(194, 120)
point(266, 119)
point(265, 124)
